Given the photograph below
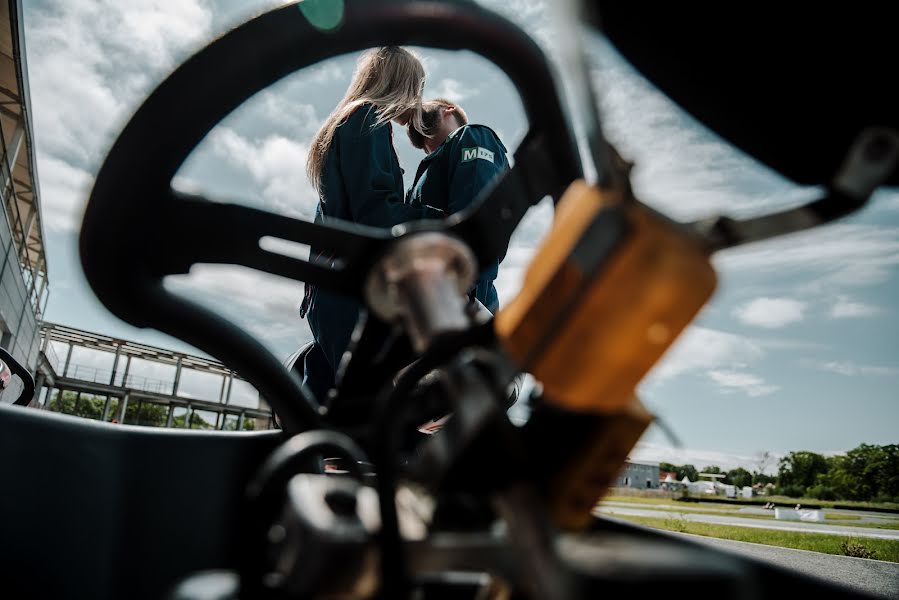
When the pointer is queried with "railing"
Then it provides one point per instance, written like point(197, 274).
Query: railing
point(146, 384)
point(91, 374)
point(52, 358)
point(9, 195)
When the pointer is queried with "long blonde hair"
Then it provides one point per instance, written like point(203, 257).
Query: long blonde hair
point(392, 79)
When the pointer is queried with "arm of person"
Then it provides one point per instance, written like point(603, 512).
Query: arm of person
point(373, 179)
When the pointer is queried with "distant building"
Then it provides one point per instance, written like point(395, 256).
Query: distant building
point(668, 481)
point(644, 476)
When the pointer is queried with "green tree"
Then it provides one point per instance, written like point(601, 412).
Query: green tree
point(146, 413)
point(137, 413)
point(867, 472)
point(798, 471)
point(881, 469)
point(688, 471)
point(668, 467)
point(87, 406)
point(739, 477)
point(198, 422)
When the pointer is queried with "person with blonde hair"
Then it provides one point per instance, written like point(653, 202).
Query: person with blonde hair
point(354, 168)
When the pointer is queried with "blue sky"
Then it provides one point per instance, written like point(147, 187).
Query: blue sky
point(798, 350)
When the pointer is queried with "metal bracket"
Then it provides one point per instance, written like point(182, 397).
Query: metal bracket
point(871, 160)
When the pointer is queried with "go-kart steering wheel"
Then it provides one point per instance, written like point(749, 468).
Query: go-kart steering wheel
point(137, 229)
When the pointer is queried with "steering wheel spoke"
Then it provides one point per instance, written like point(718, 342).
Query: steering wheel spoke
point(201, 231)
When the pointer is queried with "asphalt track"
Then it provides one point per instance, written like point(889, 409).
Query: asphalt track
point(875, 577)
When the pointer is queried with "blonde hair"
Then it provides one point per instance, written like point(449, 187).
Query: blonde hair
point(392, 79)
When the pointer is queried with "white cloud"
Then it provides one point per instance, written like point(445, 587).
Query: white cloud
point(64, 192)
point(265, 305)
point(701, 349)
point(752, 385)
point(718, 356)
point(453, 90)
point(770, 313)
point(91, 62)
point(839, 255)
point(331, 70)
point(849, 368)
point(295, 116)
point(277, 164)
point(846, 309)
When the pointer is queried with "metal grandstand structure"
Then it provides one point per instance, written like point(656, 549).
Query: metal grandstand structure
point(118, 384)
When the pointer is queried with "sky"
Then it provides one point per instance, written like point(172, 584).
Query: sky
point(799, 349)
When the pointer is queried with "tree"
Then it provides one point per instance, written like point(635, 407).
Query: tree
point(146, 413)
point(139, 412)
point(88, 406)
point(739, 477)
point(763, 461)
point(712, 469)
point(688, 471)
point(798, 471)
point(198, 422)
point(881, 469)
point(867, 472)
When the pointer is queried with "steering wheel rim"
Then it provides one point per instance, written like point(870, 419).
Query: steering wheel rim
point(152, 232)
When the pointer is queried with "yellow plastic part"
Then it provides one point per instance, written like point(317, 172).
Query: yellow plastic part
point(589, 336)
point(580, 484)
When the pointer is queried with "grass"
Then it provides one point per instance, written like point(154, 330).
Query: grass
point(832, 516)
point(639, 500)
point(887, 550)
point(873, 525)
point(734, 512)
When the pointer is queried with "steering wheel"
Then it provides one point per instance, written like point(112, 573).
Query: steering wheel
point(157, 231)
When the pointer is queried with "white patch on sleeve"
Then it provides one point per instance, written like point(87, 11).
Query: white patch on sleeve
point(476, 152)
point(485, 154)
